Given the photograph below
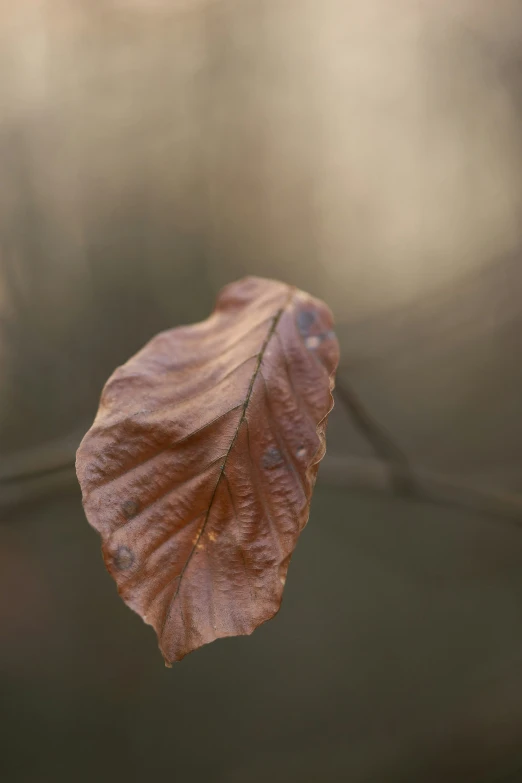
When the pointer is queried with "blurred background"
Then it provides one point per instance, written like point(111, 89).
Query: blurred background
point(370, 153)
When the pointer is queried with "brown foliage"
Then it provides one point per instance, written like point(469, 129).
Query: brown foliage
point(199, 468)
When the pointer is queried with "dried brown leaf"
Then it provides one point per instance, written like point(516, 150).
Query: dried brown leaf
point(199, 468)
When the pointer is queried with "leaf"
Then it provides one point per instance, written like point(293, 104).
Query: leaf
point(199, 468)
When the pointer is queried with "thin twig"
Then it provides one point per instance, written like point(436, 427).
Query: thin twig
point(392, 467)
point(369, 474)
point(384, 446)
point(47, 469)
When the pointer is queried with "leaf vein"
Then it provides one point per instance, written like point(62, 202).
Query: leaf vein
point(271, 331)
point(105, 484)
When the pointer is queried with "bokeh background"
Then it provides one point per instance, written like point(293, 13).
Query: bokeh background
point(371, 153)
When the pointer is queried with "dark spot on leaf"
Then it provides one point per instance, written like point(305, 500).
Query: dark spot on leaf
point(129, 509)
point(272, 458)
point(305, 320)
point(209, 478)
point(124, 558)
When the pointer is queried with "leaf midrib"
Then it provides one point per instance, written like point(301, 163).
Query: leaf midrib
point(275, 321)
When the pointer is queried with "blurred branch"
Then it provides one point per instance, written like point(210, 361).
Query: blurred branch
point(39, 472)
point(392, 468)
point(36, 488)
point(47, 469)
point(384, 446)
point(373, 474)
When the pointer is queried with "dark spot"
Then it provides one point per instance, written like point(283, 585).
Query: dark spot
point(305, 320)
point(272, 458)
point(129, 509)
point(123, 559)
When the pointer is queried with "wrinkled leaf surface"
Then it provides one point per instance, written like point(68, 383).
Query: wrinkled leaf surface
point(199, 468)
